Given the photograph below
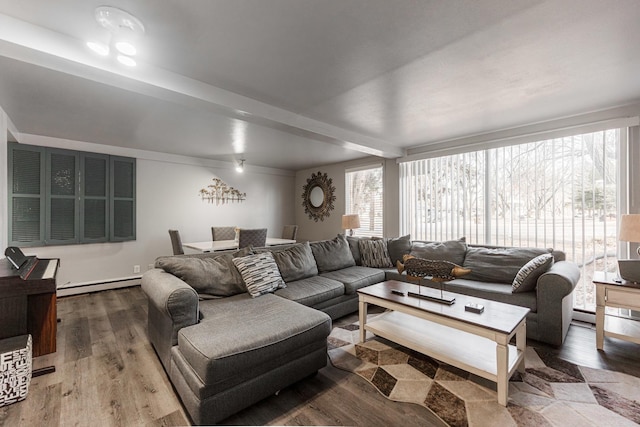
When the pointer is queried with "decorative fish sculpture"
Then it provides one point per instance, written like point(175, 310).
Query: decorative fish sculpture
point(436, 270)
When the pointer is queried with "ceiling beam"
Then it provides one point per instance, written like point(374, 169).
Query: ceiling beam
point(29, 43)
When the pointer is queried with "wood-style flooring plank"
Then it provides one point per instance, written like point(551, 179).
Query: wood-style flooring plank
point(107, 374)
point(77, 339)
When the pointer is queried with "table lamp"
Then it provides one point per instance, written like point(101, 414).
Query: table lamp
point(350, 221)
point(630, 229)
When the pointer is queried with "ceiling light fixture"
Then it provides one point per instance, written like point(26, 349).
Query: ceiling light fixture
point(240, 166)
point(124, 30)
point(99, 48)
point(126, 48)
point(126, 60)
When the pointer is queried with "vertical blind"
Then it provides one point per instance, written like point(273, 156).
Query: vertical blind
point(559, 193)
point(364, 196)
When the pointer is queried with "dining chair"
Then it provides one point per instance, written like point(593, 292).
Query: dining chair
point(223, 233)
point(290, 232)
point(176, 242)
point(252, 237)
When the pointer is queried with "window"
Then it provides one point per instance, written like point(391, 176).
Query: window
point(59, 197)
point(561, 193)
point(364, 190)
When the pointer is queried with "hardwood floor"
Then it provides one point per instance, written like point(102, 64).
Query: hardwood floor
point(107, 374)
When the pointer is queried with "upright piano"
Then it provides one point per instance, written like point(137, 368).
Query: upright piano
point(28, 302)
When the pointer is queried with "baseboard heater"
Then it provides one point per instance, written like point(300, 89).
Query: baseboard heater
point(87, 287)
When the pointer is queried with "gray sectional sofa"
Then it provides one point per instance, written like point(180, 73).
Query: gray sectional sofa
point(225, 349)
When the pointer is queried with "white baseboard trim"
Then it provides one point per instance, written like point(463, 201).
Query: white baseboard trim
point(84, 288)
point(583, 316)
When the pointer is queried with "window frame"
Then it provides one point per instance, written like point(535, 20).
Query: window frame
point(349, 209)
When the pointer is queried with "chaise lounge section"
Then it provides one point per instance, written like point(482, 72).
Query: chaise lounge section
point(225, 349)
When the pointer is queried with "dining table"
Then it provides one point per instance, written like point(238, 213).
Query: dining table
point(223, 245)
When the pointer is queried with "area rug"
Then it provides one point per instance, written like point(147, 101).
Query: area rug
point(552, 392)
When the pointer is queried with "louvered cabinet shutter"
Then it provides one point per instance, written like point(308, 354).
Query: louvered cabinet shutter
point(62, 207)
point(26, 195)
point(94, 201)
point(123, 198)
point(60, 197)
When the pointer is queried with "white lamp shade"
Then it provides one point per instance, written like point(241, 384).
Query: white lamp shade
point(630, 228)
point(350, 221)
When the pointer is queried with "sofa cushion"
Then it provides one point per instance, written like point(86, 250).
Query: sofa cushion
point(295, 262)
point(527, 278)
point(500, 292)
point(354, 246)
point(332, 254)
point(452, 250)
point(398, 247)
point(260, 273)
point(276, 332)
point(498, 264)
point(374, 253)
point(356, 277)
point(210, 277)
point(312, 290)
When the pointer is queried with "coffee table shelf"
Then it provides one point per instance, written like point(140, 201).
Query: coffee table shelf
point(477, 343)
point(461, 349)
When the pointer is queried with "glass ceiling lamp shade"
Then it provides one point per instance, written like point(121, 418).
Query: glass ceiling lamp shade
point(99, 48)
point(240, 166)
point(350, 221)
point(630, 229)
point(126, 60)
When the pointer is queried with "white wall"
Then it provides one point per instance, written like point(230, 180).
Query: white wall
point(167, 197)
point(308, 229)
point(3, 179)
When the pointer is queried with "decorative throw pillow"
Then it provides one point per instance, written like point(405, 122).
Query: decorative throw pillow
point(260, 273)
point(374, 253)
point(527, 278)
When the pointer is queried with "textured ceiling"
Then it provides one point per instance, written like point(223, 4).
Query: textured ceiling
point(294, 84)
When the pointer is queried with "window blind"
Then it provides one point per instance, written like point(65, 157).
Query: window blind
point(364, 196)
point(559, 193)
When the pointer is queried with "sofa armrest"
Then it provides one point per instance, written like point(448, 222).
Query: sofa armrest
point(555, 304)
point(559, 281)
point(173, 305)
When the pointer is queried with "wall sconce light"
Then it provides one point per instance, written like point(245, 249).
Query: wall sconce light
point(240, 166)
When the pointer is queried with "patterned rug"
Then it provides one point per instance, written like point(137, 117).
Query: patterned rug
point(552, 392)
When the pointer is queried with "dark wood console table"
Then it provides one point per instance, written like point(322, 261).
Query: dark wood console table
point(28, 307)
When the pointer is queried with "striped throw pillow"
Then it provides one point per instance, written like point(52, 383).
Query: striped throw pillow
point(374, 253)
point(527, 278)
point(260, 273)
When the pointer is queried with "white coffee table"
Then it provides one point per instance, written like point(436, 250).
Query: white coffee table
point(476, 343)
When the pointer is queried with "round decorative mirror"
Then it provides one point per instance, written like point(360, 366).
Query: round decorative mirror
point(318, 197)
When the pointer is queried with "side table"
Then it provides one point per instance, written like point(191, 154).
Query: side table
point(613, 292)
